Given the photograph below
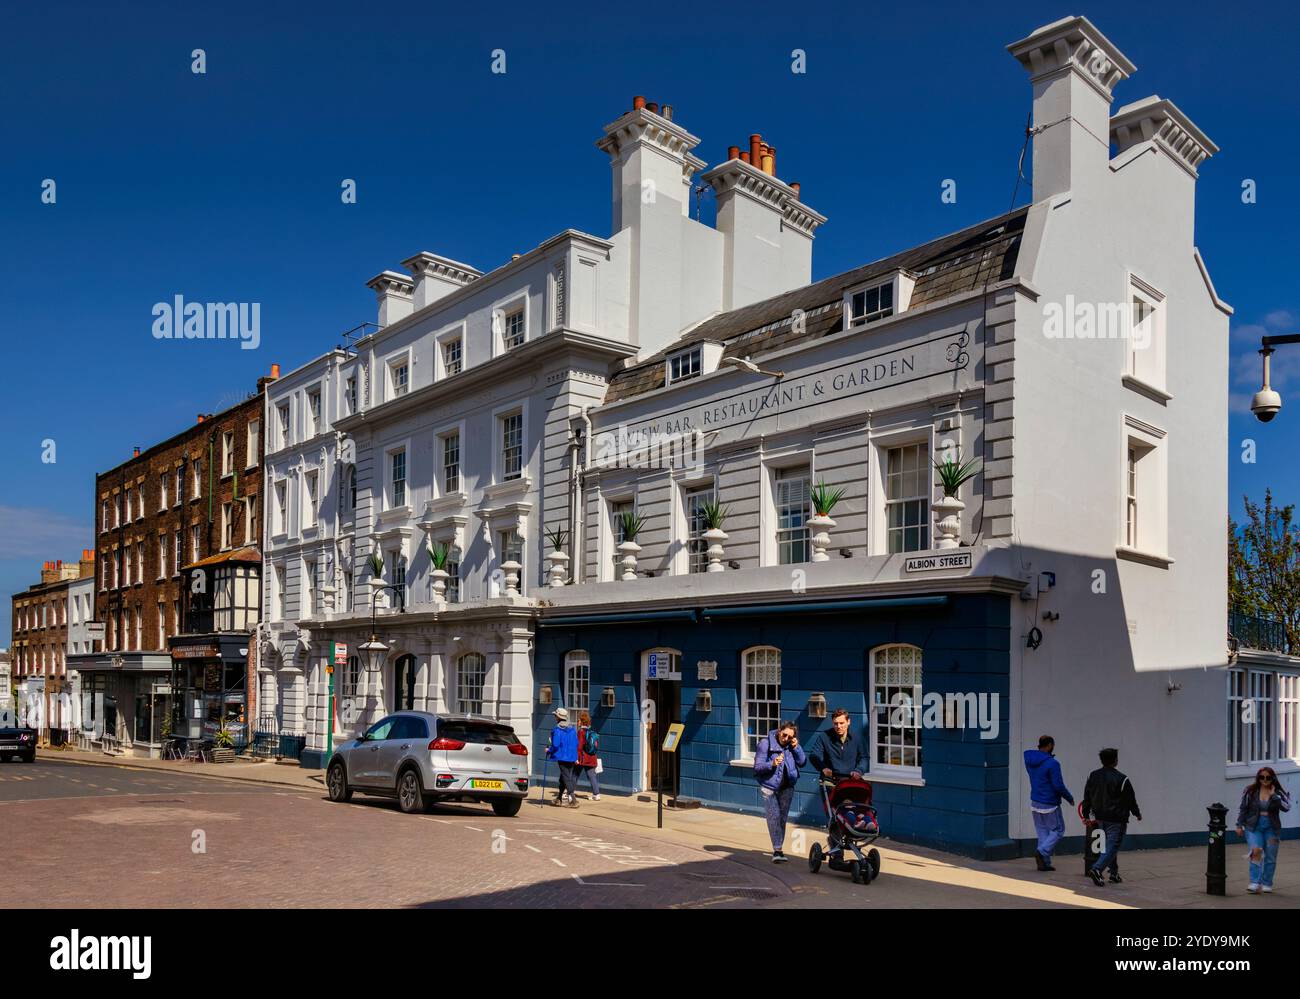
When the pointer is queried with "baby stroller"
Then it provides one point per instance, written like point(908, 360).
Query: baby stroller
point(850, 825)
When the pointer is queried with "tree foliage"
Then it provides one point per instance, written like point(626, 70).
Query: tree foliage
point(1264, 565)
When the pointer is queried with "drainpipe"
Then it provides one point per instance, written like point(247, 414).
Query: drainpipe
point(579, 501)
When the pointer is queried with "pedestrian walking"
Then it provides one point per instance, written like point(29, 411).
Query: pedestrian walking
point(838, 752)
point(1109, 798)
point(563, 749)
point(588, 753)
point(1046, 790)
point(776, 766)
point(1259, 819)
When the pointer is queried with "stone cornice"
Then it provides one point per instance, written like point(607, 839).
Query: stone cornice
point(426, 264)
point(1074, 44)
point(643, 127)
point(391, 283)
point(735, 177)
point(1154, 119)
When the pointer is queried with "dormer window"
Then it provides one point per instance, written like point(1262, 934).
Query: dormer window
point(686, 364)
point(871, 304)
point(878, 300)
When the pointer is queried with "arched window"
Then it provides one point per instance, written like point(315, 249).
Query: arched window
point(760, 688)
point(577, 681)
point(471, 670)
point(896, 710)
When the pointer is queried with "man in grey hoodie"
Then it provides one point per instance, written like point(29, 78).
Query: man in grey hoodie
point(1046, 789)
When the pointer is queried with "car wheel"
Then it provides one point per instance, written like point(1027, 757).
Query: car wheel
point(855, 869)
point(410, 795)
point(815, 858)
point(506, 807)
point(337, 782)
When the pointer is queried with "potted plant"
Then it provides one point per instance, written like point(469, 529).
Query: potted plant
point(824, 499)
point(377, 584)
point(558, 557)
point(952, 473)
point(223, 738)
point(438, 555)
point(631, 523)
point(714, 514)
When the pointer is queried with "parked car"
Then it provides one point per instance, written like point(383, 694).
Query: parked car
point(421, 758)
point(18, 741)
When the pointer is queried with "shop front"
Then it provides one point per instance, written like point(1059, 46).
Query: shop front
point(122, 701)
point(924, 678)
point(209, 678)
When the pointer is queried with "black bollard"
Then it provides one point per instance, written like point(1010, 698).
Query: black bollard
point(1216, 863)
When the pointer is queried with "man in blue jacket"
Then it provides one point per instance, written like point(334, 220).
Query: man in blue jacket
point(563, 749)
point(1046, 789)
point(837, 754)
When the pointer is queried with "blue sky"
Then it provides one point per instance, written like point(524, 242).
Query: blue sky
point(225, 186)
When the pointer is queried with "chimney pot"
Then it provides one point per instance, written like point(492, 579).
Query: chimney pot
point(668, 112)
point(275, 371)
point(756, 149)
point(652, 106)
point(733, 152)
point(135, 452)
point(638, 103)
point(795, 187)
point(200, 418)
point(744, 157)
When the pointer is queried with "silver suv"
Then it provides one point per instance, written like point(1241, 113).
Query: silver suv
point(419, 758)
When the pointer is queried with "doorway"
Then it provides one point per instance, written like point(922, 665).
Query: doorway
point(404, 684)
point(663, 694)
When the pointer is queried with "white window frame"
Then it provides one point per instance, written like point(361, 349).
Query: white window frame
point(311, 498)
point(441, 460)
point(880, 312)
point(506, 306)
point(1145, 368)
point(1272, 736)
point(499, 444)
point(749, 660)
point(162, 492)
point(480, 665)
point(684, 365)
point(402, 359)
point(443, 339)
point(280, 494)
point(250, 520)
point(878, 505)
point(284, 422)
point(312, 421)
point(577, 682)
point(252, 442)
point(611, 529)
point(686, 557)
point(307, 596)
point(897, 771)
point(227, 524)
point(227, 453)
point(1151, 543)
point(351, 392)
point(390, 499)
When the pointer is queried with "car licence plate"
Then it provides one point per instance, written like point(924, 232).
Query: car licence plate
point(488, 785)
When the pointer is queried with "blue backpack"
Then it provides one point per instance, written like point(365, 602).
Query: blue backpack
point(590, 742)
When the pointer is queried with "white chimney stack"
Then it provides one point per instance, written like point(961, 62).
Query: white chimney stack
point(394, 293)
point(767, 233)
point(1073, 68)
point(436, 277)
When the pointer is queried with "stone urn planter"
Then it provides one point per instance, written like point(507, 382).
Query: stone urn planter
point(947, 528)
point(820, 525)
point(715, 536)
point(559, 570)
point(628, 550)
point(511, 570)
point(440, 577)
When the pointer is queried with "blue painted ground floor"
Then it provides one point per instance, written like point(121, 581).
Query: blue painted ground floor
point(925, 681)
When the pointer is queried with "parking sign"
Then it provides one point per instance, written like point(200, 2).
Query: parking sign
point(653, 665)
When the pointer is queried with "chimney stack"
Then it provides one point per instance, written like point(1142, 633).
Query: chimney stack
point(135, 452)
point(1073, 69)
point(394, 292)
point(435, 277)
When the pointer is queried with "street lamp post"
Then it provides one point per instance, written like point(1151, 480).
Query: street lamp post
point(375, 650)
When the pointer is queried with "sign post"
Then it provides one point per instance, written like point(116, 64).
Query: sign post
point(338, 656)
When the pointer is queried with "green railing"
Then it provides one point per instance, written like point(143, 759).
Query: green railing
point(1257, 632)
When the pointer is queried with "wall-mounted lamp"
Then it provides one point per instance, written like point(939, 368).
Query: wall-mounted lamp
point(704, 701)
point(607, 698)
point(544, 694)
point(817, 706)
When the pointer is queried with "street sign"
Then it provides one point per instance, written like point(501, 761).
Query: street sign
point(932, 563)
point(652, 665)
point(340, 656)
point(95, 630)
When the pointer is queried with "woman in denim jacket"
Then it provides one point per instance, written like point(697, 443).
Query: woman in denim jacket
point(1259, 819)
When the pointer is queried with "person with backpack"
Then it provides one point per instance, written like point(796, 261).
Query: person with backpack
point(1108, 796)
point(776, 766)
point(563, 748)
point(589, 752)
point(1046, 790)
point(1259, 820)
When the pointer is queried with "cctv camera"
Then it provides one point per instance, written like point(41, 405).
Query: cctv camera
point(1265, 405)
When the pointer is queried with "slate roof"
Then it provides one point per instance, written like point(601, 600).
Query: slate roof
point(961, 261)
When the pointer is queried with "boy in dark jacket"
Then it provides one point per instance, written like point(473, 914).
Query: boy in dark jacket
point(1109, 798)
point(1046, 789)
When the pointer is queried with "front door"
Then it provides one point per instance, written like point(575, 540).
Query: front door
point(665, 768)
point(404, 684)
